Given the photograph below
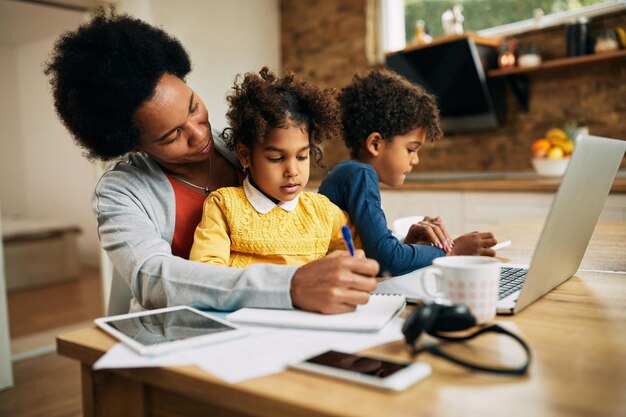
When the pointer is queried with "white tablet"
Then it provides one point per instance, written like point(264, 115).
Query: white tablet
point(155, 332)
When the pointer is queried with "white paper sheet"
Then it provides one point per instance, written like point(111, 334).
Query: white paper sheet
point(408, 285)
point(265, 351)
point(121, 356)
point(370, 317)
point(271, 352)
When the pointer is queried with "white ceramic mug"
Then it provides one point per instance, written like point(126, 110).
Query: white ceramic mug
point(469, 280)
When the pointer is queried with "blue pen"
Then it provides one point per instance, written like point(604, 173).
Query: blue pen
point(347, 236)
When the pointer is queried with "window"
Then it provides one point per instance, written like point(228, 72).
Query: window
point(486, 17)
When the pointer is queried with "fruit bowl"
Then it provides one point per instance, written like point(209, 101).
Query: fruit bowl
point(550, 167)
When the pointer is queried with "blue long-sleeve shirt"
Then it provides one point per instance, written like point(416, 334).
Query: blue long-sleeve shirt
point(355, 188)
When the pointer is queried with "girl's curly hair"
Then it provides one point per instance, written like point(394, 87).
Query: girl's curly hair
point(385, 102)
point(102, 72)
point(264, 101)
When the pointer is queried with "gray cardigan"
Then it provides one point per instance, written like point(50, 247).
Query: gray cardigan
point(135, 207)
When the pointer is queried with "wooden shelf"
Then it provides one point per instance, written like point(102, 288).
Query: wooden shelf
point(479, 40)
point(561, 63)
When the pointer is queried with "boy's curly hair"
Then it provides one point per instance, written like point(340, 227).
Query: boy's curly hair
point(264, 101)
point(385, 102)
point(102, 72)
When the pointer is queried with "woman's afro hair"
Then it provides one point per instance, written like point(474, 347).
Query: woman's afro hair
point(264, 101)
point(384, 102)
point(102, 72)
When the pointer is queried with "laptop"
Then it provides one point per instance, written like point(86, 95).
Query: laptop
point(575, 211)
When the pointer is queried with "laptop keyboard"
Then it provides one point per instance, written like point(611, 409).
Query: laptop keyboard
point(511, 280)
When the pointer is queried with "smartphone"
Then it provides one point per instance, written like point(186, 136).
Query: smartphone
point(394, 376)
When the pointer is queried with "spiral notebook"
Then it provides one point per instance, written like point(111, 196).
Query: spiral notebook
point(369, 317)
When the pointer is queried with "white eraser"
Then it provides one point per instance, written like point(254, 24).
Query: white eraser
point(501, 245)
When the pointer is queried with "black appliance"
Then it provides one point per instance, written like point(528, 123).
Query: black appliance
point(455, 72)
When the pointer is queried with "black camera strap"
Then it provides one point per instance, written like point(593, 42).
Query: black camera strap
point(436, 350)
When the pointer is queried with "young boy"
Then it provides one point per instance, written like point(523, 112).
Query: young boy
point(386, 120)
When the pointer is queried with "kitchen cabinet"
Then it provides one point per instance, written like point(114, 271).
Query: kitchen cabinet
point(447, 204)
point(465, 211)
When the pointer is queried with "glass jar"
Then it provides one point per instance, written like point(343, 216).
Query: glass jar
point(606, 41)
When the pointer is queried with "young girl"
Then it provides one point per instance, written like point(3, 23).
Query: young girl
point(276, 126)
point(386, 120)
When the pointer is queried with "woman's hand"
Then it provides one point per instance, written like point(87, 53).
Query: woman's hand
point(336, 283)
point(474, 243)
point(430, 231)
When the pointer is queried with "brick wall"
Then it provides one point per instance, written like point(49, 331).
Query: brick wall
point(324, 41)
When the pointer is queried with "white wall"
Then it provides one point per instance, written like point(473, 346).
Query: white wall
point(11, 169)
point(223, 38)
point(42, 173)
point(58, 179)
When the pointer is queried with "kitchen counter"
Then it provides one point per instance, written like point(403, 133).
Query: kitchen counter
point(487, 181)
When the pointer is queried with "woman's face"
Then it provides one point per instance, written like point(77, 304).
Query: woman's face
point(174, 124)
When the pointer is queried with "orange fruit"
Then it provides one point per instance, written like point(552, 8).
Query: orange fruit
point(541, 144)
point(540, 148)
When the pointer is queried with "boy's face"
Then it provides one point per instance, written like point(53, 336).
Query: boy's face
point(280, 166)
point(396, 158)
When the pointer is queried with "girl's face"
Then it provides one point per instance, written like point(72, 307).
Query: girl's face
point(174, 124)
point(280, 165)
point(397, 158)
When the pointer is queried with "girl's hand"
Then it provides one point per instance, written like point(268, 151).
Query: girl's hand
point(474, 243)
point(430, 231)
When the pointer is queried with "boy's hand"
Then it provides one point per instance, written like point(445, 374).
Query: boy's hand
point(430, 231)
point(336, 283)
point(474, 243)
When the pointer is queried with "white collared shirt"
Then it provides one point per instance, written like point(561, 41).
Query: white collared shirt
point(261, 203)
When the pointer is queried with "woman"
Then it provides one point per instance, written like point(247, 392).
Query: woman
point(119, 88)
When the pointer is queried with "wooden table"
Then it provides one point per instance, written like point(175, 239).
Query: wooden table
point(606, 250)
point(577, 334)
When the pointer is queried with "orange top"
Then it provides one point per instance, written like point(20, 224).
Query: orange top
point(188, 215)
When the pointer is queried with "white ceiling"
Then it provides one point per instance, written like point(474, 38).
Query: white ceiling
point(23, 21)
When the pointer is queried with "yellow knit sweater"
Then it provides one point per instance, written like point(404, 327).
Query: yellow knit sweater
point(233, 233)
